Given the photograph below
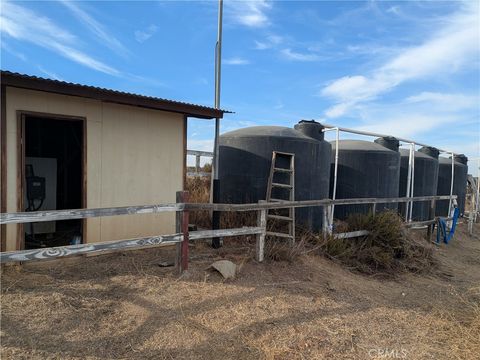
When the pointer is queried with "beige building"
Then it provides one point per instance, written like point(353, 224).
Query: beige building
point(69, 146)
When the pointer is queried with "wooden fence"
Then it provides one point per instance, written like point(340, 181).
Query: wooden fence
point(182, 236)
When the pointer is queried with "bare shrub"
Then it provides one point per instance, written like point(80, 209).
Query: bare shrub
point(389, 248)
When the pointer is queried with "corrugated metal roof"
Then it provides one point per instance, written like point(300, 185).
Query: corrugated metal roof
point(9, 78)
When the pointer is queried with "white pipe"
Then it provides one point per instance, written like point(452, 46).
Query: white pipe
point(409, 180)
point(478, 191)
point(368, 133)
point(335, 172)
point(412, 186)
point(451, 186)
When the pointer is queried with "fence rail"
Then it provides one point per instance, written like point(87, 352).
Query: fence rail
point(53, 215)
point(182, 237)
point(146, 242)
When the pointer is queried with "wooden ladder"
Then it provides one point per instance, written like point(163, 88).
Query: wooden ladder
point(288, 188)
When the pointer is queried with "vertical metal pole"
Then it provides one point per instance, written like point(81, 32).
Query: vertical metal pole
point(216, 242)
point(218, 75)
point(477, 205)
point(409, 180)
point(197, 163)
point(335, 172)
point(451, 186)
point(412, 186)
point(431, 216)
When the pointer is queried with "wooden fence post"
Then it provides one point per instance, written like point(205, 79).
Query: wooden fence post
point(325, 220)
point(260, 245)
point(182, 219)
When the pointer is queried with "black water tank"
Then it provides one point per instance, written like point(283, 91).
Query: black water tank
point(245, 158)
point(365, 169)
point(459, 182)
point(424, 181)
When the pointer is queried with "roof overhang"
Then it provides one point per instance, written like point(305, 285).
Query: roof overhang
point(107, 95)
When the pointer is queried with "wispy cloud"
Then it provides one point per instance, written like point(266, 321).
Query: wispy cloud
point(8, 49)
point(143, 35)
point(269, 42)
point(95, 27)
point(446, 51)
point(236, 61)
point(251, 13)
point(23, 24)
point(50, 74)
point(419, 114)
point(298, 56)
point(446, 102)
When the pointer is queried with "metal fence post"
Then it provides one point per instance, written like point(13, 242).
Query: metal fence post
point(262, 223)
point(431, 216)
point(181, 248)
point(197, 163)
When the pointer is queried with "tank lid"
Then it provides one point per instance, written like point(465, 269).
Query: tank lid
point(359, 145)
point(430, 151)
point(389, 142)
point(310, 128)
point(266, 131)
point(461, 159)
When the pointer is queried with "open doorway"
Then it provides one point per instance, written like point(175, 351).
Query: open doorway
point(53, 177)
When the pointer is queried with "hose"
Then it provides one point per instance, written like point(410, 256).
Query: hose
point(442, 227)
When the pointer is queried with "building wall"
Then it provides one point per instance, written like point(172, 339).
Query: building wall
point(134, 156)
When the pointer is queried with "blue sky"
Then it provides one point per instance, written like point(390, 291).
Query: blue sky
point(409, 69)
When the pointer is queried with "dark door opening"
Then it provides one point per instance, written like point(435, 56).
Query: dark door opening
point(53, 178)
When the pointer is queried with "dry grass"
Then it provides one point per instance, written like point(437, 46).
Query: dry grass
point(124, 306)
point(388, 249)
point(296, 305)
point(199, 192)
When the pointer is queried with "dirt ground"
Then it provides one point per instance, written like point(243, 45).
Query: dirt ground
point(125, 306)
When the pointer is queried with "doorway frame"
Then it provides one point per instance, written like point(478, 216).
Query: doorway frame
point(21, 117)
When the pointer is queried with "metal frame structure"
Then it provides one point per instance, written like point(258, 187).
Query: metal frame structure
point(198, 155)
point(411, 168)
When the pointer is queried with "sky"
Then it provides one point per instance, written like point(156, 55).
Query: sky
point(402, 68)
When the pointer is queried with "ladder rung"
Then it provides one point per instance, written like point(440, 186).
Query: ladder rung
point(279, 217)
point(281, 235)
point(285, 186)
point(282, 170)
